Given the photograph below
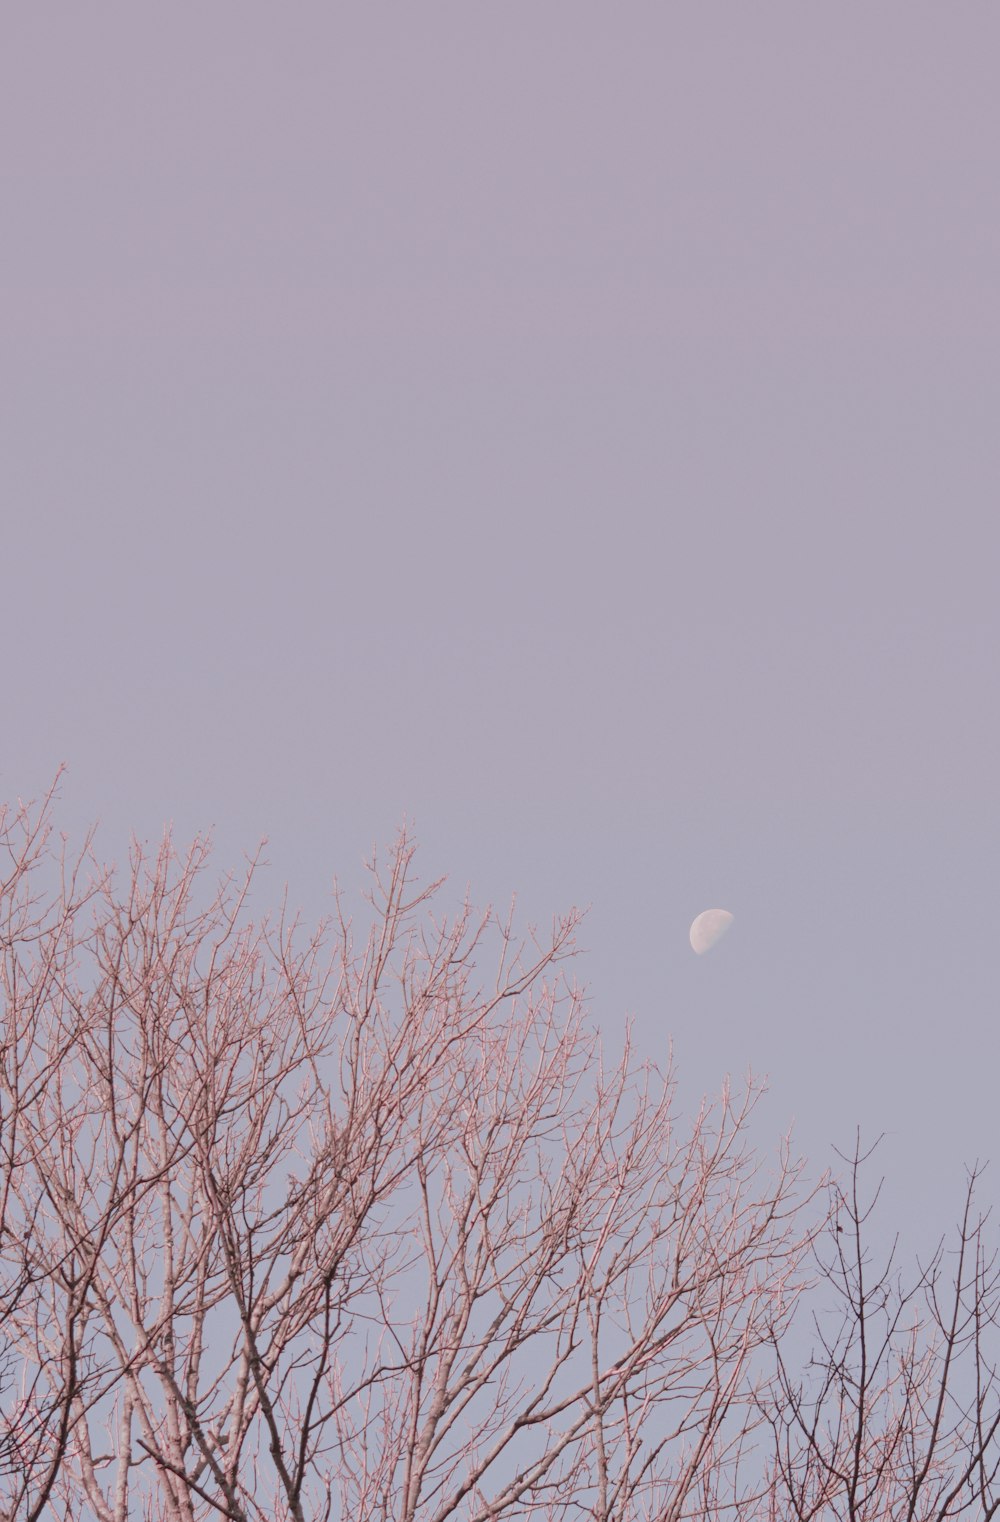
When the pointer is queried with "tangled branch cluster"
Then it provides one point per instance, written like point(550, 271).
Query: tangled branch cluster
point(298, 1226)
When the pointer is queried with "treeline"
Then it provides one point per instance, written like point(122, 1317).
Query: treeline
point(324, 1223)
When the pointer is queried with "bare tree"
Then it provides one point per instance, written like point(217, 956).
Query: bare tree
point(41, 897)
point(302, 1227)
point(899, 1412)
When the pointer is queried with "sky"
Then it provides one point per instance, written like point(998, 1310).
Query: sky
point(569, 428)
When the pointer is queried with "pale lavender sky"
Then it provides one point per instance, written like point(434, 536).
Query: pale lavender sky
point(573, 426)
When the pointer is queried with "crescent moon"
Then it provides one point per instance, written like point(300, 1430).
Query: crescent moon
point(709, 927)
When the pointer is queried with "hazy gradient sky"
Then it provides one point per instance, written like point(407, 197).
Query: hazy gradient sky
point(573, 426)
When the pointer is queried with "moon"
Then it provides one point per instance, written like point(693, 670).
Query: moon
point(710, 926)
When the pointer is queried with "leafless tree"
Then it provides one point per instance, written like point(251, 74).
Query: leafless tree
point(41, 897)
point(299, 1225)
point(899, 1412)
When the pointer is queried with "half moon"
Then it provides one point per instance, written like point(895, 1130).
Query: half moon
point(708, 928)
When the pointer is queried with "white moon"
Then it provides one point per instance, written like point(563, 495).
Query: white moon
point(708, 928)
